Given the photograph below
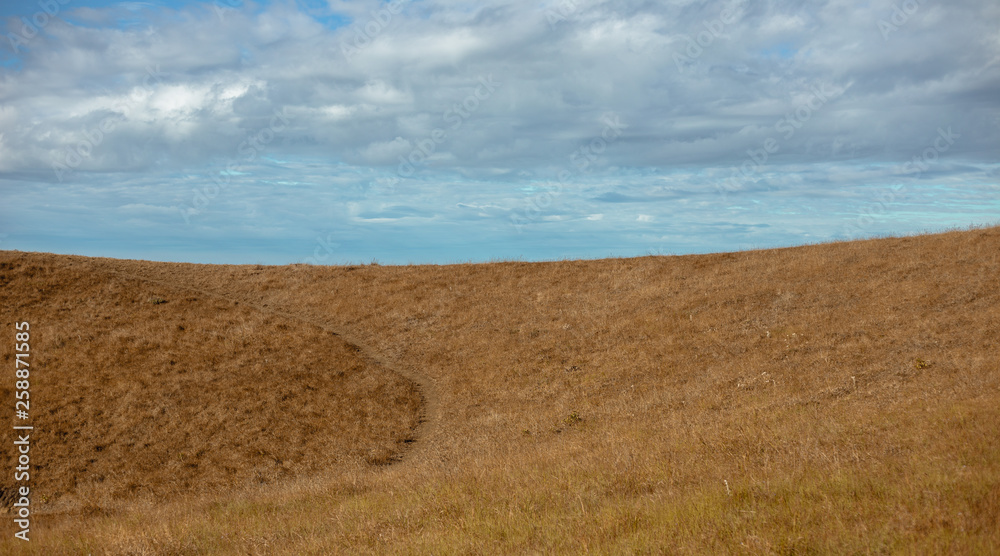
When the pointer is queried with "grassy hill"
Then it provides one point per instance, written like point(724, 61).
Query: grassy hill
point(837, 398)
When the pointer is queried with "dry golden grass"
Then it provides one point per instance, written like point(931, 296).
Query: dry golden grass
point(838, 398)
point(146, 391)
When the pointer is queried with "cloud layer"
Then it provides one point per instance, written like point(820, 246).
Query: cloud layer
point(442, 130)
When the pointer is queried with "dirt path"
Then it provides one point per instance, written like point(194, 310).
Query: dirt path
point(429, 407)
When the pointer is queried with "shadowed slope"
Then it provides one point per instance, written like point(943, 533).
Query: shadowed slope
point(144, 390)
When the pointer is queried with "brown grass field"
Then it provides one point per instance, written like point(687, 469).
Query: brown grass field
point(841, 398)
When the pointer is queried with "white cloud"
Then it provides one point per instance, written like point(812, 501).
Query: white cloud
point(386, 152)
point(689, 128)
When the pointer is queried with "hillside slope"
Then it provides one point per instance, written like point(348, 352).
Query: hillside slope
point(831, 398)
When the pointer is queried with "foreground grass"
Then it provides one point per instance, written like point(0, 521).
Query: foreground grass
point(934, 489)
point(589, 503)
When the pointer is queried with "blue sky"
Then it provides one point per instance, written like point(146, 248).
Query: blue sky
point(437, 131)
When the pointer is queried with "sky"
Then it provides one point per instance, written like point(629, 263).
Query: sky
point(443, 131)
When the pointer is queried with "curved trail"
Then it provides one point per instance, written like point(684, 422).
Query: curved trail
point(425, 386)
